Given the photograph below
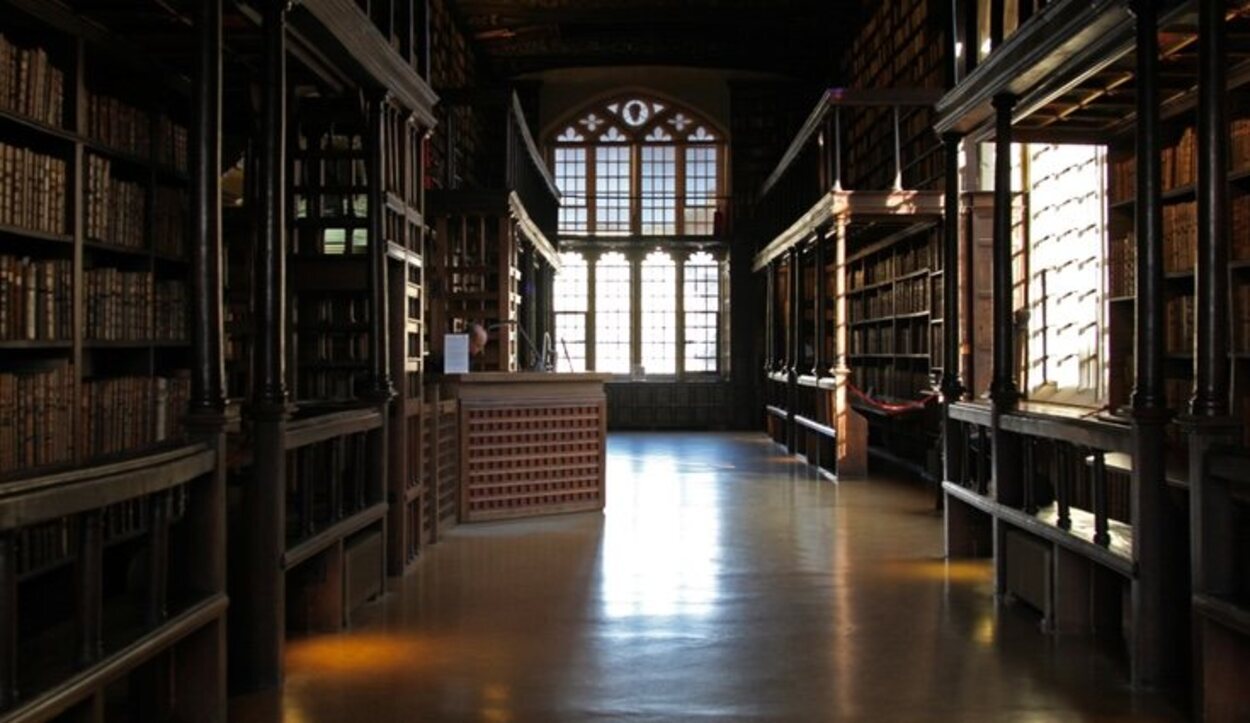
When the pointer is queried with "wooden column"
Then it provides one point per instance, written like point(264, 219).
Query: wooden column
point(1005, 473)
point(204, 655)
point(208, 367)
point(770, 312)
point(1149, 648)
point(258, 625)
point(379, 320)
point(851, 428)
point(1003, 388)
point(821, 366)
point(1211, 363)
point(952, 388)
point(1209, 422)
point(796, 347)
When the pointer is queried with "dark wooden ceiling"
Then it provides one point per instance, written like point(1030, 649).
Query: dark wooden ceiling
point(799, 38)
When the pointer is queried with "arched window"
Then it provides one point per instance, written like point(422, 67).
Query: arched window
point(636, 166)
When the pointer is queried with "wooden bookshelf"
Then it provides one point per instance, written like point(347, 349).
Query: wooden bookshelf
point(894, 313)
point(111, 576)
point(94, 220)
point(1180, 241)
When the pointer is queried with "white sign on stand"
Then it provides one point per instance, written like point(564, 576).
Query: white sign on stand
point(456, 354)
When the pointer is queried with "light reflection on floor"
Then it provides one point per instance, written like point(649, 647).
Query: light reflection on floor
point(725, 581)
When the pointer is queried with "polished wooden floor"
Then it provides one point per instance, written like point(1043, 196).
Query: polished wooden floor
point(724, 582)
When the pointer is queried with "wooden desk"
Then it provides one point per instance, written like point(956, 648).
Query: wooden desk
point(531, 443)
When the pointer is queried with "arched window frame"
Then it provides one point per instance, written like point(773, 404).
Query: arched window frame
point(613, 196)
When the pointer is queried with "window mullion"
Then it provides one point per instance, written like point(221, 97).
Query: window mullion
point(592, 263)
point(679, 190)
point(635, 311)
point(634, 193)
point(592, 193)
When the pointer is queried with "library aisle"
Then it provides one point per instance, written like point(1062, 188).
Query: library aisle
point(724, 582)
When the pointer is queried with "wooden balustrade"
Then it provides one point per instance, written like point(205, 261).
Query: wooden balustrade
point(98, 581)
point(1074, 479)
point(1221, 582)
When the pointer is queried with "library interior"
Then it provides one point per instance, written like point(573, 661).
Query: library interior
point(563, 360)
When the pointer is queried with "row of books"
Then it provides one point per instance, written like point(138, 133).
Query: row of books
point(127, 413)
point(911, 296)
point(1180, 236)
point(33, 190)
point(119, 125)
point(1179, 169)
point(872, 305)
point(1122, 265)
point(30, 84)
point(1180, 162)
point(912, 338)
point(911, 257)
point(324, 384)
point(41, 546)
point(115, 209)
point(883, 380)
point(130, 129)
point(36, 299)
point(907, 339)
point(171, 221)
point(172, 144)
point(36, 418)
point(332, 311)
point(334, 348)
point(1179, 326)
point(872, 340)
point(1239, 217)
point(133, 306)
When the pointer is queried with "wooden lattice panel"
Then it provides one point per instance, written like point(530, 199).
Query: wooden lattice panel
point(532, 460)
point(448, 464)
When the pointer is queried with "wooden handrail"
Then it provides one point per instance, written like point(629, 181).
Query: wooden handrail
point(304, 432)
point(846, 98)
point(47, 498)
point(531, 148)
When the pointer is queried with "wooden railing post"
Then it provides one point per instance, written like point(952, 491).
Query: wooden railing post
point(90, 594)
point(159, 509)
point(1061, 480)
point(1029, 462)
point(1098, 492)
